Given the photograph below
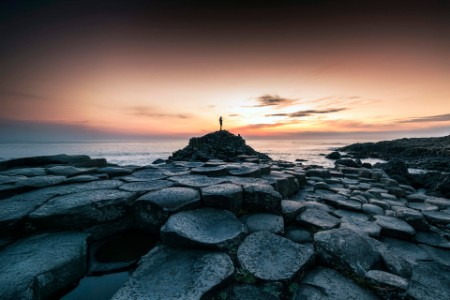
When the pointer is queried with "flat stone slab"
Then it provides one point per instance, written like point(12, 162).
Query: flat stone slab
point(264, 222)
point(395, 227)
point(262, 197)
point(346, 251)
point(227, 196)
point(153, 209)
point(82, 209)
point(196, 181)
point(365, 227)
point(115, 171)
point(260, 250)
point(40, 266)
point(324, 283)
point(220, 170)
point(318, 219)
point(146, 175)
point(387, 285)
point(439, 202)
point(146, 186)
point(40, 181)
point(437, 217)
point(411, 252)
point(246, 171)
point(166, 273)
point(68, 171)
point(203, 228)
point(429, 282)
point(28, 172)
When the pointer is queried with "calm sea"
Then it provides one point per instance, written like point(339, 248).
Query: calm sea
point(143, 153)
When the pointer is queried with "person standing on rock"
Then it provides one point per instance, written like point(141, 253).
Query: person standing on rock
point(220, 122)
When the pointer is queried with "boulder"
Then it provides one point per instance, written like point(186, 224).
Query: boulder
point(260, 249)
point(334, 155)
point(203, 228)
point(166, 273)
point(40, 266)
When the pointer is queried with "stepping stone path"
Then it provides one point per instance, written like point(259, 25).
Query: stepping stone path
point(243, 228)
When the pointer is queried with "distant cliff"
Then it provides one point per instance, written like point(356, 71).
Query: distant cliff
point(218, 145)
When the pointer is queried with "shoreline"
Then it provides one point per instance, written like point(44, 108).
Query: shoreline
point(229, 210)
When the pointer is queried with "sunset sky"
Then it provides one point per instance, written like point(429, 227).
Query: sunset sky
point(81, 69)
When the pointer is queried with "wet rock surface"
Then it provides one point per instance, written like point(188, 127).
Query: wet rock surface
point(222, 230)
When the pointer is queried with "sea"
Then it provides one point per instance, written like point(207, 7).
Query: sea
point(140, 153)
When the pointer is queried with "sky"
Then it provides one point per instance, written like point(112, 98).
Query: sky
point(271, 69)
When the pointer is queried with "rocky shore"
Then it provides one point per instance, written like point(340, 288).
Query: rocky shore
point(243, 227)
point(430, 155)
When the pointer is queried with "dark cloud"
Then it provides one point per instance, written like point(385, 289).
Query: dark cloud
point(149, 112)
point(437, 118)
point(23, 95)
point(307, 113)
point(273, 100)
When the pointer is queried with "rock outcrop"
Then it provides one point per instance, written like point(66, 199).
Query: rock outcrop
point(221, 145)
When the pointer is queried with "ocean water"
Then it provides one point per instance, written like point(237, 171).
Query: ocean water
point(144, 153)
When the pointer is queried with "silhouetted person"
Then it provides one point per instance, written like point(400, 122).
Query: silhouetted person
point(220, 122)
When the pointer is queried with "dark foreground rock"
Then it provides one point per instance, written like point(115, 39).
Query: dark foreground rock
point(166, 273)
point(260, 250)
point(374, 234)
point(41, 266)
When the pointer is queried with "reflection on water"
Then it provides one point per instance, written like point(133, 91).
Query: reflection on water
point(98, 287)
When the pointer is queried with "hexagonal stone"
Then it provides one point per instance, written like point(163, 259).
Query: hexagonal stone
point(153, 209)
point(411, 252)
point(264, 222)
point(211, 171)
point(196, 181)
point(262, 197)
point(432, 239)
point(203, 228)
point(298, 235)
point(347, 214)
point(422, 206)
point(436, 217)
point(417, 197)
point(115, 171)
point(171, 274)
point(146, 175)
point(318, 219)
point(324, 283)
point(291, 209)
point(366, 227)
point(250, 292)
point(246, 171)
point(346, 251)
point(40, 266)
point(387, 285)
point(82, 178)
point(260, 250)
point(40, 181)
point(372, 209)
point(28, 172)
point(225, 196)
point(429, 282)
point(82, 209)
point(439, 202)
point(395, 227)
point(68, 171)
point(146, 186)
